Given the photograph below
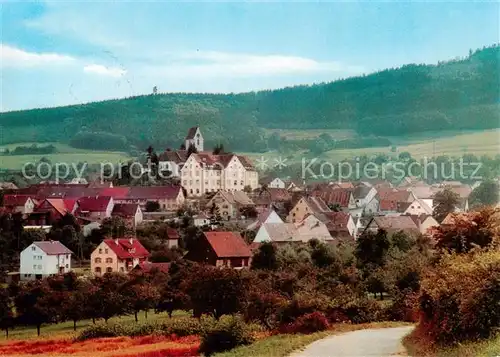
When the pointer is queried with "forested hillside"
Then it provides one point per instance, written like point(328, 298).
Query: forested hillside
point(453, 95)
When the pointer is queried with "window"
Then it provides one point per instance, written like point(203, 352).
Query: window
point(34, 267)
point(97, 260)
point(197, 190)
point(33, 248)
point(39, 267)
point(242, 183)
point(109, 260)
point(109, 270)
point(67, 256)
point(105, 251)
point(98, 270)
point(121, 270)
point(218, 182)
point(235, 182)
point(100, 250)
point(67, 266)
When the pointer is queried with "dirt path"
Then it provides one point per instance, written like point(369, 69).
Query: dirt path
point(371, 342)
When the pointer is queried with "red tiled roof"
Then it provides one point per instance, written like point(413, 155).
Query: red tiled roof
point(178, 156)
point(228, 244)
point(93, 204)
point(115, 192)
point(154, 192)
point(396, 223)
point(191, 133)
point(147, 267)
point(338, 196)
point(397, 195)
point(58, 204)
point(15, 200)
point(126, 248)
point(339, 219)
point(172, 233)
point(125, 209)
point(53, 247)
point(69, 203)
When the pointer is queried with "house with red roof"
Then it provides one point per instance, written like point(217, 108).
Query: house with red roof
point(43, 259)
point(95, 207)
point(169, 197)
point(333, 196)
point(51, 210)
point(19, 203)
point(221, 249)
point(131, 213)
point(172, 238)
point(119, 255)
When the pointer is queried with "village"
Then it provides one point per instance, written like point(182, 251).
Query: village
point(224, 198)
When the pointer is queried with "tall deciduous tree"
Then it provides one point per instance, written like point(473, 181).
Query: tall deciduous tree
point(265, 258)
point(486, 194)
point(445, 202)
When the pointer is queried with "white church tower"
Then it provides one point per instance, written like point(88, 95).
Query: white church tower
point(195, 138)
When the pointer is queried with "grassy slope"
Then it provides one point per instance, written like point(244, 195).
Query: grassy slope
point(283, 345)
point(418, 348)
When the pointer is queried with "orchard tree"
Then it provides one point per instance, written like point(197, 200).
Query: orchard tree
point(36, 304)
point(216, 291)
point(106, 296)
point(140, 295)
point(6, 311)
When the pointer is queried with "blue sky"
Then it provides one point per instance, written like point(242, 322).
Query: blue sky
point(66, 52)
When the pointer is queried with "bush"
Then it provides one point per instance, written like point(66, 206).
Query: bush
point(225, 334)
point(459, 298)
point(404, 307)
point(309, 323)
point(100, 330)
point(180, 327)
point(303, 304)
point(362, 310)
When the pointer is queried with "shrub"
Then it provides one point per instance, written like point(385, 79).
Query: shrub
point(309, 323)
point(100, 330)
point(181, 327)
point(403, 308)
point(362, 310)
point(225, 334)
point(459, 298)
point(303, 304)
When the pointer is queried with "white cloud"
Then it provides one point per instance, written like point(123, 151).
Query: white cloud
point(15, 57)
point(217, 64)
point(104, 71)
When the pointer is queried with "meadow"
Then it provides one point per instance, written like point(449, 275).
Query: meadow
point(65, 153)
point(427, 144)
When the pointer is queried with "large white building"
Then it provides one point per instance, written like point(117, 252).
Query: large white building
point(43, 259)
point(203, 173)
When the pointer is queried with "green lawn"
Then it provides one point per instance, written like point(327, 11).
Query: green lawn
point(66, 328)
point(283, 345)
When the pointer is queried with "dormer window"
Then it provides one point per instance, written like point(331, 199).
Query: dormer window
point(131, 251)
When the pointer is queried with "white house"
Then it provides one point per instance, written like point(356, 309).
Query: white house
point(418, 207)
point(19, 203)
point(43, 259)
point(201, 219)
point(276, 183)
point(195, 138)
point(268, 216)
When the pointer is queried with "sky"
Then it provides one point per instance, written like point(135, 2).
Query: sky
point(69, 52)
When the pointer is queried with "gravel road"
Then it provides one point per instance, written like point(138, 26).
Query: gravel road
point(381, 342)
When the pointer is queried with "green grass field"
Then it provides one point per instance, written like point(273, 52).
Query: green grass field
point(66, 328)
point(65, 154)
point(419, 145)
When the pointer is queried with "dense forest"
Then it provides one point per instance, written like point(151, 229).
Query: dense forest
point(452, 95)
